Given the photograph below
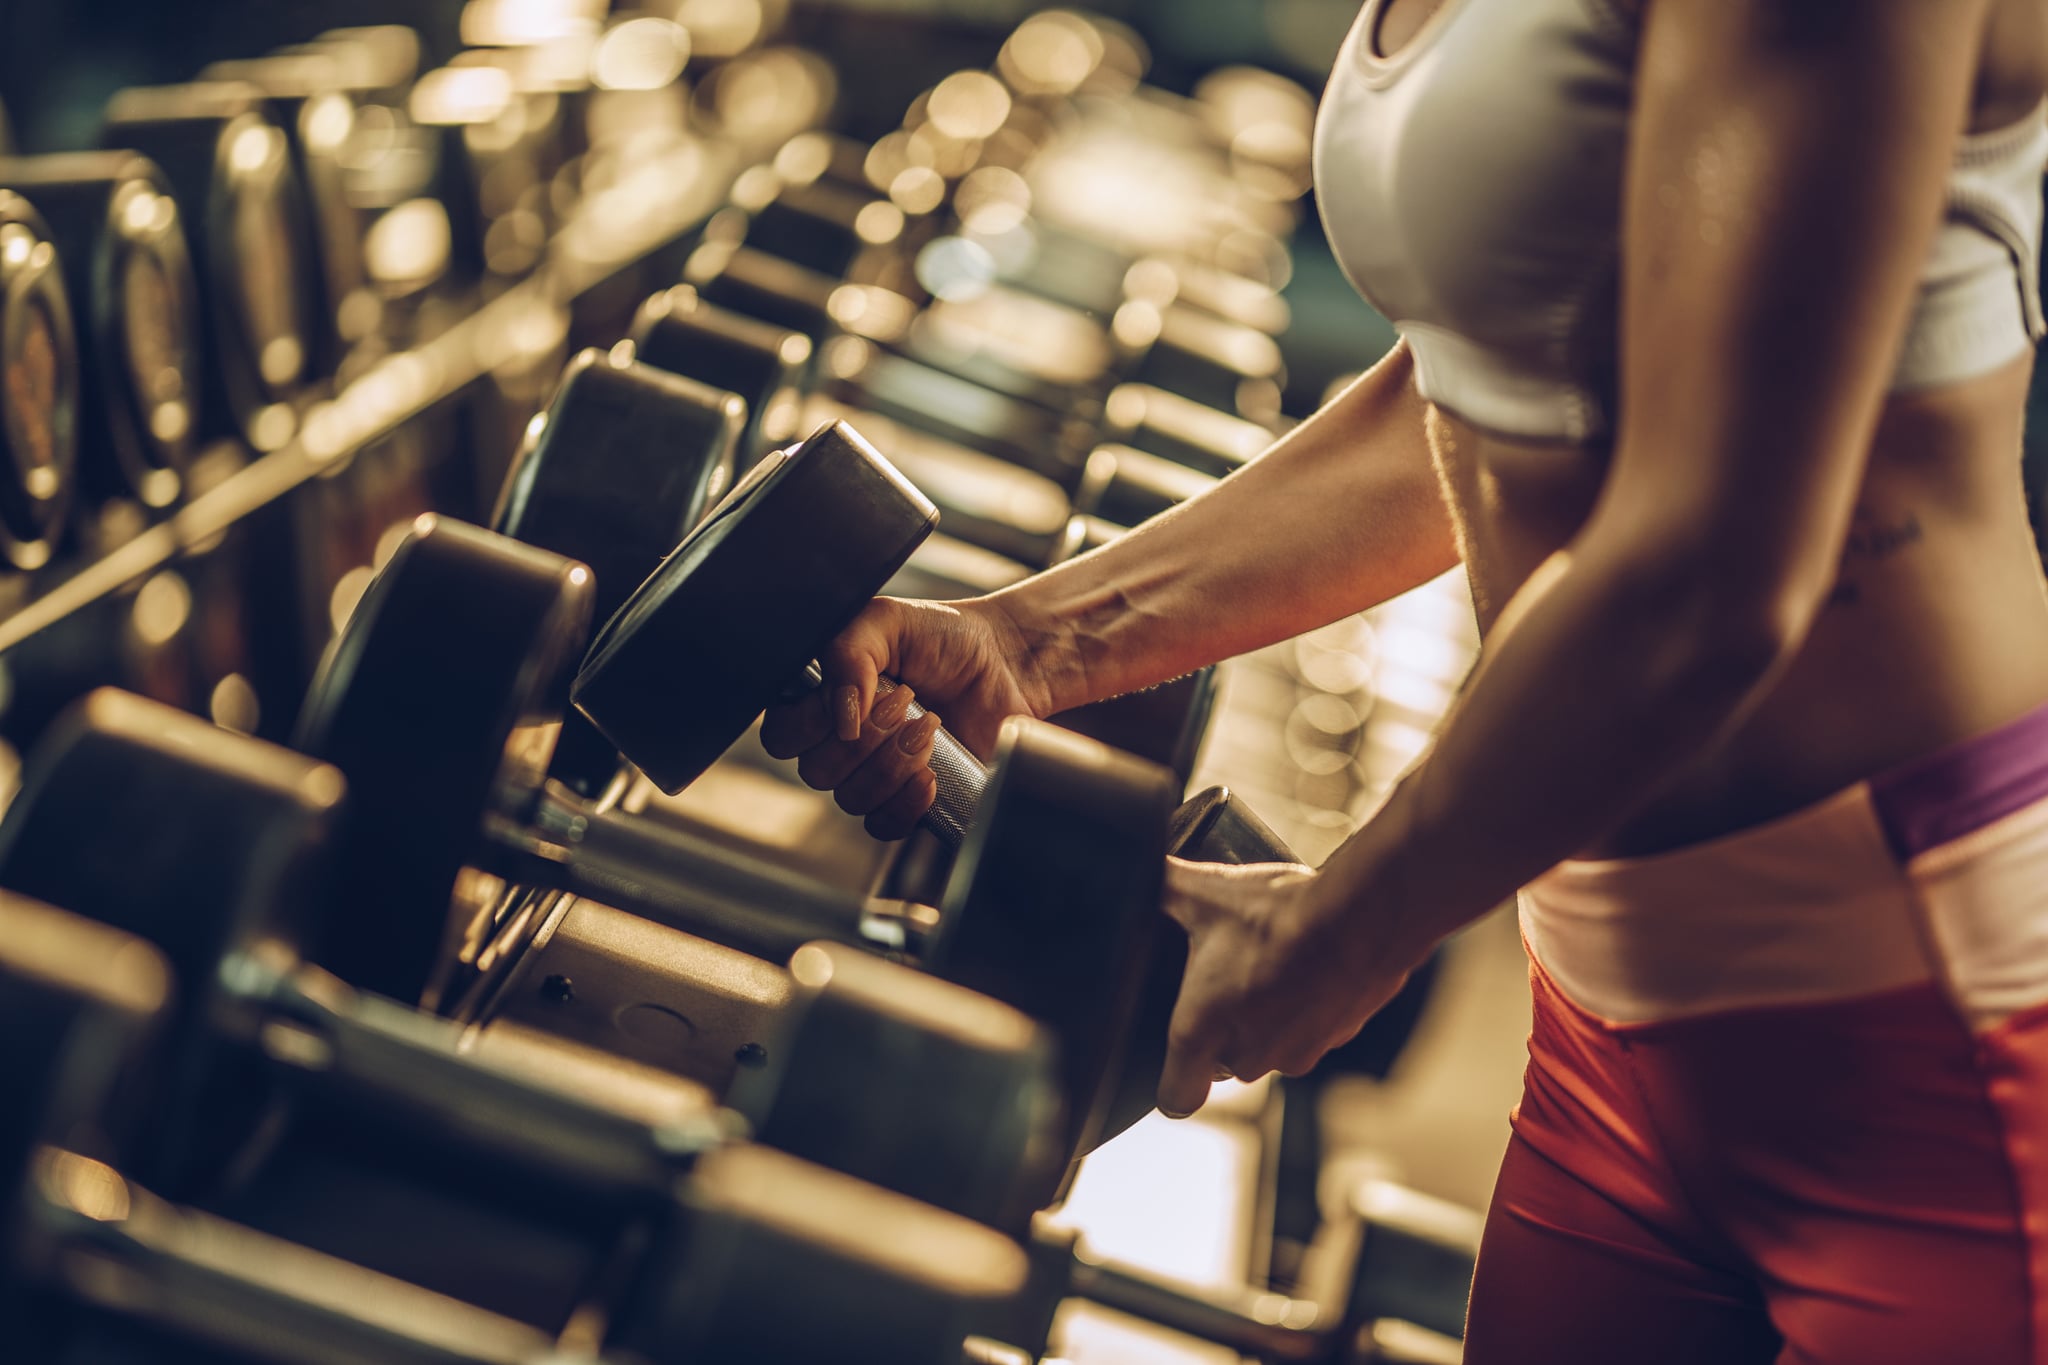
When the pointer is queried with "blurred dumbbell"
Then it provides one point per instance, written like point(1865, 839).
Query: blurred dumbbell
point(285, 1102)
point(307, 96)
point(1403, 1272)
point(39, 400)
point(98, 1268)
point(435, 793)
point(243, 211)
point(128, 277)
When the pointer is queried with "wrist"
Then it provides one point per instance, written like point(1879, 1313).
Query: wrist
point(1040, 648)
point(1378, 909)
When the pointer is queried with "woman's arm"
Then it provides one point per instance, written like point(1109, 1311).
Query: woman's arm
point(1342, 513)
point(1786, 177)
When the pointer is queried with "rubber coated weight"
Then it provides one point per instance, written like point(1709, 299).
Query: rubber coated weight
point(757, 285)
point(430, 724)
point(1212, 826)
point(732, 618)
point(438, 712)
point(680, 332)
point(1053, 906)
point(229, 168)
point(131, 816)
point(78, 1002)
point(868, 1024)
point(128, 276)
point(620, 467)
point(39, 396)
point(384, 1146)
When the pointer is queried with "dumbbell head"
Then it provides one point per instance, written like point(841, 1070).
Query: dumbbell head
point(212, 847)
point(1053, 906)
point(913, 1084)
point(78, 1003)
point(229, 168)
point(129, 279)
point(40, 394)
point(757, 285)
point(763, 1271)
point(678, 331)
point(431, 724)
point(731, 619)
point(718, 630)
point(617, 470)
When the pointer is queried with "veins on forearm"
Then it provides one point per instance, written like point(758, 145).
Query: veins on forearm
point(1873, 538)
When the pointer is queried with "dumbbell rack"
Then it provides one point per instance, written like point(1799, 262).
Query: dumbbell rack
point(373, 407)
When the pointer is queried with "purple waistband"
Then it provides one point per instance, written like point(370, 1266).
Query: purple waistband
point(1933, 800)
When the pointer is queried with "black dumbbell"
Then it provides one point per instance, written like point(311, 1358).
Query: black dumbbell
point(307, 96)
point(284, 1101)
point(39, 400)
point(672, 707)
point(229, 169)
point(768, 366)
point(621, 465)
point(129, 279)
point(954, 1103)
point(438, 713)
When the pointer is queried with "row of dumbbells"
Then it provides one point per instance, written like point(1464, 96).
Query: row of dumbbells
point(547, 842)
point(295, 1107)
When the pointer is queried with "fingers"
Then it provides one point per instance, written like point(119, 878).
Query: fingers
point(902, 756)
point(791, 729)
point(829, 764)
point(1194, 1046)
point(852, 677)
point(898, 815)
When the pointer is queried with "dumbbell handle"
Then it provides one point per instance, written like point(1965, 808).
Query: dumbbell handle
point(962, 778)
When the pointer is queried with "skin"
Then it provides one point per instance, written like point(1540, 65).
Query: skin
point(1777, 578)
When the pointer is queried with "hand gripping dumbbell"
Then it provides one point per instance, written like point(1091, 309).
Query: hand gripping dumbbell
point(98, 1268)
point(697, 717)
point(282, 1100)
point(735, 618)
point(438, 702)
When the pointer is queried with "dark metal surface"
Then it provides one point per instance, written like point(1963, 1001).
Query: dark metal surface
point(212, 848)
point(915, 1085)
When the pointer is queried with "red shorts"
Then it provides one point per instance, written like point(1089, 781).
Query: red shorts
point(1787, 1094)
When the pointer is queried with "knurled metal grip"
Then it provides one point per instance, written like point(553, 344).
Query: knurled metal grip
point(962, 778)
point(961, 782)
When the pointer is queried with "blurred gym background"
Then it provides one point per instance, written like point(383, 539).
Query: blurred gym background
point(1311, 732)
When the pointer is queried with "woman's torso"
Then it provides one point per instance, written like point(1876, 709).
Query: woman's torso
point(1938, 627)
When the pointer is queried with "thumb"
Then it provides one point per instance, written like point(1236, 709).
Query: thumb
point(1187, 892)
point(1194, 1044)
point(852, 665)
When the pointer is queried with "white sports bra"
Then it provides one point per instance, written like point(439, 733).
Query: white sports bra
point(1470, 185)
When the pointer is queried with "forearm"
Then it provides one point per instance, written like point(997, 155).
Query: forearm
point(1342, 513)
point(1599, 682)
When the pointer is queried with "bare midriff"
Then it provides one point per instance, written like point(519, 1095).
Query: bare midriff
point(1936, 630)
